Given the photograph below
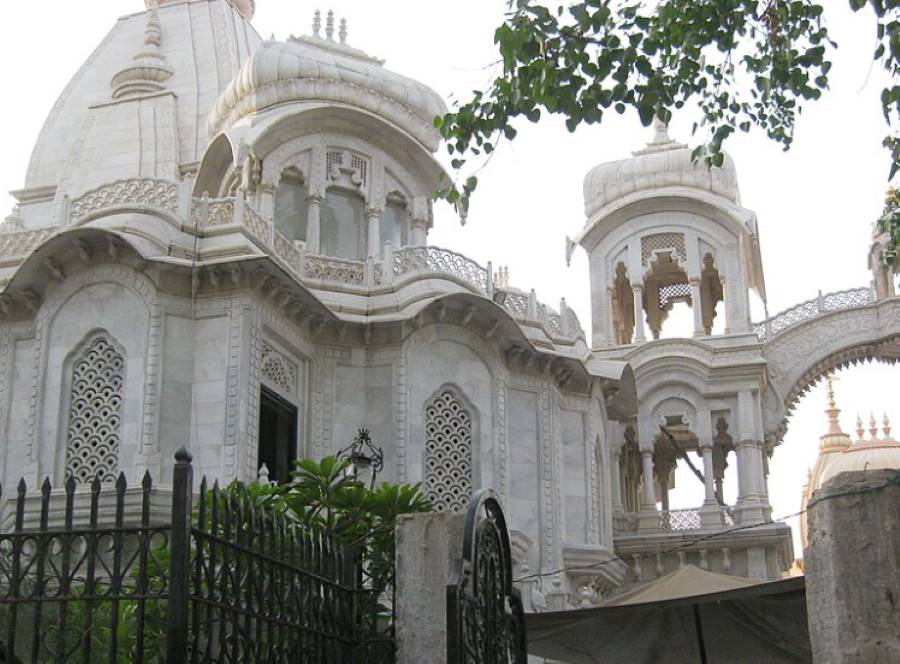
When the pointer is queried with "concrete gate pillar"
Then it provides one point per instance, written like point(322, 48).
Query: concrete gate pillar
point(853, 569)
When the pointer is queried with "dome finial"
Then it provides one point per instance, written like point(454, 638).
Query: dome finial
point(343, 32)
point(830, 379)
point(317, 23)
point(860, 430)
point(886, 427)
point(661, 141)
point(873, 427)
point(148, 70)
point(329, 26)
point(834, 424)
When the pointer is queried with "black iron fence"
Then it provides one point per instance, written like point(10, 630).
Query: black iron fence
point(85, 579)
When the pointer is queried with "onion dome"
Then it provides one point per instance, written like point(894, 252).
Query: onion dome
point(247, 8)
point(874, 453)
point(661, 164)
point(148, 71)
point(314, 68)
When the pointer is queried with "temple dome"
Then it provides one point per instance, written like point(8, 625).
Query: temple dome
point(321, 69)
point(662, 163)
point(869, 454)
point(247, 8)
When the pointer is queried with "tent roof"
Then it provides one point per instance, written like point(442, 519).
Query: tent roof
point(686, 581)
point(752, 623)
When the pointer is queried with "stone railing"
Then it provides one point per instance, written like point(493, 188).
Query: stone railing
point(20, 243)
point(326, 268)
point(676, 520)
point(671, 521)
point(839, 301)
point(149, 193)
point(526, 307)
point(419, 260)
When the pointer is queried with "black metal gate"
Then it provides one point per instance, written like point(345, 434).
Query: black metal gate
point(92, 576)
point(485, 620)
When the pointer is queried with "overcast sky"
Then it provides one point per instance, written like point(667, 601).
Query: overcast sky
point(815, 203)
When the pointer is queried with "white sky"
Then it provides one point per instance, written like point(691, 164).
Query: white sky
point(815, 203)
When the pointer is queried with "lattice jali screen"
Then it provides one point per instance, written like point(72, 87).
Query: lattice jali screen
point(448, 453)
point(674, 293)
point(95, 413)
point(361, 166)
point(278, 372)
point(332, 160)
point(673, 242)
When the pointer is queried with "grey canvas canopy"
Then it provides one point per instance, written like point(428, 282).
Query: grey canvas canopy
point(687, 617)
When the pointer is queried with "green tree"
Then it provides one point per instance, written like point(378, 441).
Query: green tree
point(742, 63)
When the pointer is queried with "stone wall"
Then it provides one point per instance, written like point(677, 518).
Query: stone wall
point(853, 569)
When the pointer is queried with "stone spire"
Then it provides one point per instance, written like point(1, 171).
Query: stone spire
point(834, 438)
point(148, 70)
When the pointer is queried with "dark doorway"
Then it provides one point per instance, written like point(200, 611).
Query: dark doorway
point(277, 435)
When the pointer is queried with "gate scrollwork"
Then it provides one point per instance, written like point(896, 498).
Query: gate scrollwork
point(485, 619)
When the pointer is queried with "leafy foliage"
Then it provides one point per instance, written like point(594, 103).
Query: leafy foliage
point(742, 63)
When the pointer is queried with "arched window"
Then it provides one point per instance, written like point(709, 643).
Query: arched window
point(395, 224)
point(342, 224)
point(448, 452)
point(290, 205)
point(95, 413)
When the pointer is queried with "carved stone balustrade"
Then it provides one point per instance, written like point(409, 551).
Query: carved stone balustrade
point(423, 260)
point(838, 301)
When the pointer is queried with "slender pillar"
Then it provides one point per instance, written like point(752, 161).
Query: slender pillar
point(649, 492)
point(313, 230)
point(418, 233)
point(649, 516)
point(640, 333)
point(709, 480)
point(374, 233)
point(615, 473)
point(726, 297)
point(697, 306)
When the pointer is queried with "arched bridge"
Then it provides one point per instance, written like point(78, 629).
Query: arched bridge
point(807, 341)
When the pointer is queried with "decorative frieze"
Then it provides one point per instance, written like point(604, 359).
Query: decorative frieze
point(136, 192)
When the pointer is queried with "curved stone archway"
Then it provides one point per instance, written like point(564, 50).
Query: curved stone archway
point(803, 352)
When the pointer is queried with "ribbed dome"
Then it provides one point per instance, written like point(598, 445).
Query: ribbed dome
point(312, 68)
point(872, 454)
point(247, 8)
point(663, 163)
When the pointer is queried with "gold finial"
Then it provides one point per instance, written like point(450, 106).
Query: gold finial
point(834, 425)
point(831, 378)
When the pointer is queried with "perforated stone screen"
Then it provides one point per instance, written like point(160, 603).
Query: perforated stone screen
point(448, 453)
point(95, 413)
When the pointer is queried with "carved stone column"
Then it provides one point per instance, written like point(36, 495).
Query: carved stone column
point(373, 217)
point(649, 516)
point(418, 235)
point(640, 333)
point(313, 230)
point(697, 306)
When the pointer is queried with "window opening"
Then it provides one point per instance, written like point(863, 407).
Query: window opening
point(291, 206)
point(342, 223)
